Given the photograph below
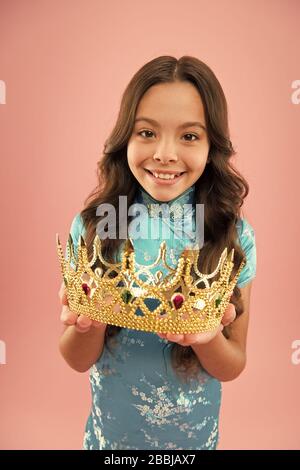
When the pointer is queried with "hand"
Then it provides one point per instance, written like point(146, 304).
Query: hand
point(81, 322)
point(202, 338)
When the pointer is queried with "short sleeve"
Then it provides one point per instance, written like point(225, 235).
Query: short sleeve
point(77, 229)
point(247, 242)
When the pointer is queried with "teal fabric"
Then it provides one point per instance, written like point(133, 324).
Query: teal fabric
point(138, 402)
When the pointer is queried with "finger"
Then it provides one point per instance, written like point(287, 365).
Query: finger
point(64, 299)
point(83, 322)
point(81, 329)
point(191, 338)
point(68, 317)
point(229, 315)
point(206, 337)
point(175, 338)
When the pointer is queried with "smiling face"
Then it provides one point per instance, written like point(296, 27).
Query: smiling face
point(163, 145)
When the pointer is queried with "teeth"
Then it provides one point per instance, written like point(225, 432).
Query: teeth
point(165, 176)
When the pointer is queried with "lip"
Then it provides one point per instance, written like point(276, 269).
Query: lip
point(164, 172)
point(164, 182)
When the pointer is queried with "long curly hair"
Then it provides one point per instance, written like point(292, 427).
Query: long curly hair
point(221, 187)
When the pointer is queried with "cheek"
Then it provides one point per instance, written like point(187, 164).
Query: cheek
point(135, 155)
point(195, 163)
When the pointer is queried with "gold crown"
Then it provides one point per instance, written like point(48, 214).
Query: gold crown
point(118, 296)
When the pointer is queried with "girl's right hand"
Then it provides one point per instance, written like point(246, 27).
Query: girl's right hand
point(81, 322)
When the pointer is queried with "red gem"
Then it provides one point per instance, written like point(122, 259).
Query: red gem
point(177, 301)
point(86, 288)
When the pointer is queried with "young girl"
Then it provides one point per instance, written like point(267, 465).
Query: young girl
point(163, 391)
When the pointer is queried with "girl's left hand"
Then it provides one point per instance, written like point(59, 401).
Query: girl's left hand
point(202, 338)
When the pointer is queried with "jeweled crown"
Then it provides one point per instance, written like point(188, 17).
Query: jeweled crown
point(117, 295)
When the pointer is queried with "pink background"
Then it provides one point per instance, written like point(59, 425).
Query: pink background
point(65, 65)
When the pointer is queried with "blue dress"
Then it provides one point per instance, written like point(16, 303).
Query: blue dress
point(138, 402)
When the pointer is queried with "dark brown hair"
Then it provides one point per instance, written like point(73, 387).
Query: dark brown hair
point(221, 188)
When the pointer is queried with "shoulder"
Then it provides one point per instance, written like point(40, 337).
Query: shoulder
point(77, 227)
point(246, 238)
point(246, 233)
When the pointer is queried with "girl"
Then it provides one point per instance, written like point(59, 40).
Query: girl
point(163, 391)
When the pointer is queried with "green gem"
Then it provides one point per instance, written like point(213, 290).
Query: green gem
point(218, 301)
point(126, 296)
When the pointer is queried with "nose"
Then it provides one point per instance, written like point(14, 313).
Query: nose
point(164, 159)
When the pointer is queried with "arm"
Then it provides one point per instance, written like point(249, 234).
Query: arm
point(81, 343)
point(225, 358)
point(82, 350)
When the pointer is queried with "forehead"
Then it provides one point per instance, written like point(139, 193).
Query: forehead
point(176, 102)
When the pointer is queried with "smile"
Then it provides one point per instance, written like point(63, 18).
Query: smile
point(165, 178)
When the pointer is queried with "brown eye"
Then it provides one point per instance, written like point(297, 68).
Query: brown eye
point(141, 132)
point(150, 132)
point(193, 135)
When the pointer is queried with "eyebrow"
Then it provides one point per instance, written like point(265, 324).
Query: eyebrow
point(182, 126)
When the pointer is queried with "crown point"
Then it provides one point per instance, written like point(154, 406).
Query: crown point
point(188, 253)
point(224, 253)
point(231, 255)
point(128, 245)
point(81, 241)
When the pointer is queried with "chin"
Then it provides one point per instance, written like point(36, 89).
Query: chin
point(166, 194)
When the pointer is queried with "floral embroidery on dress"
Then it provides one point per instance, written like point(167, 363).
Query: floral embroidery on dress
point(137, 400)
